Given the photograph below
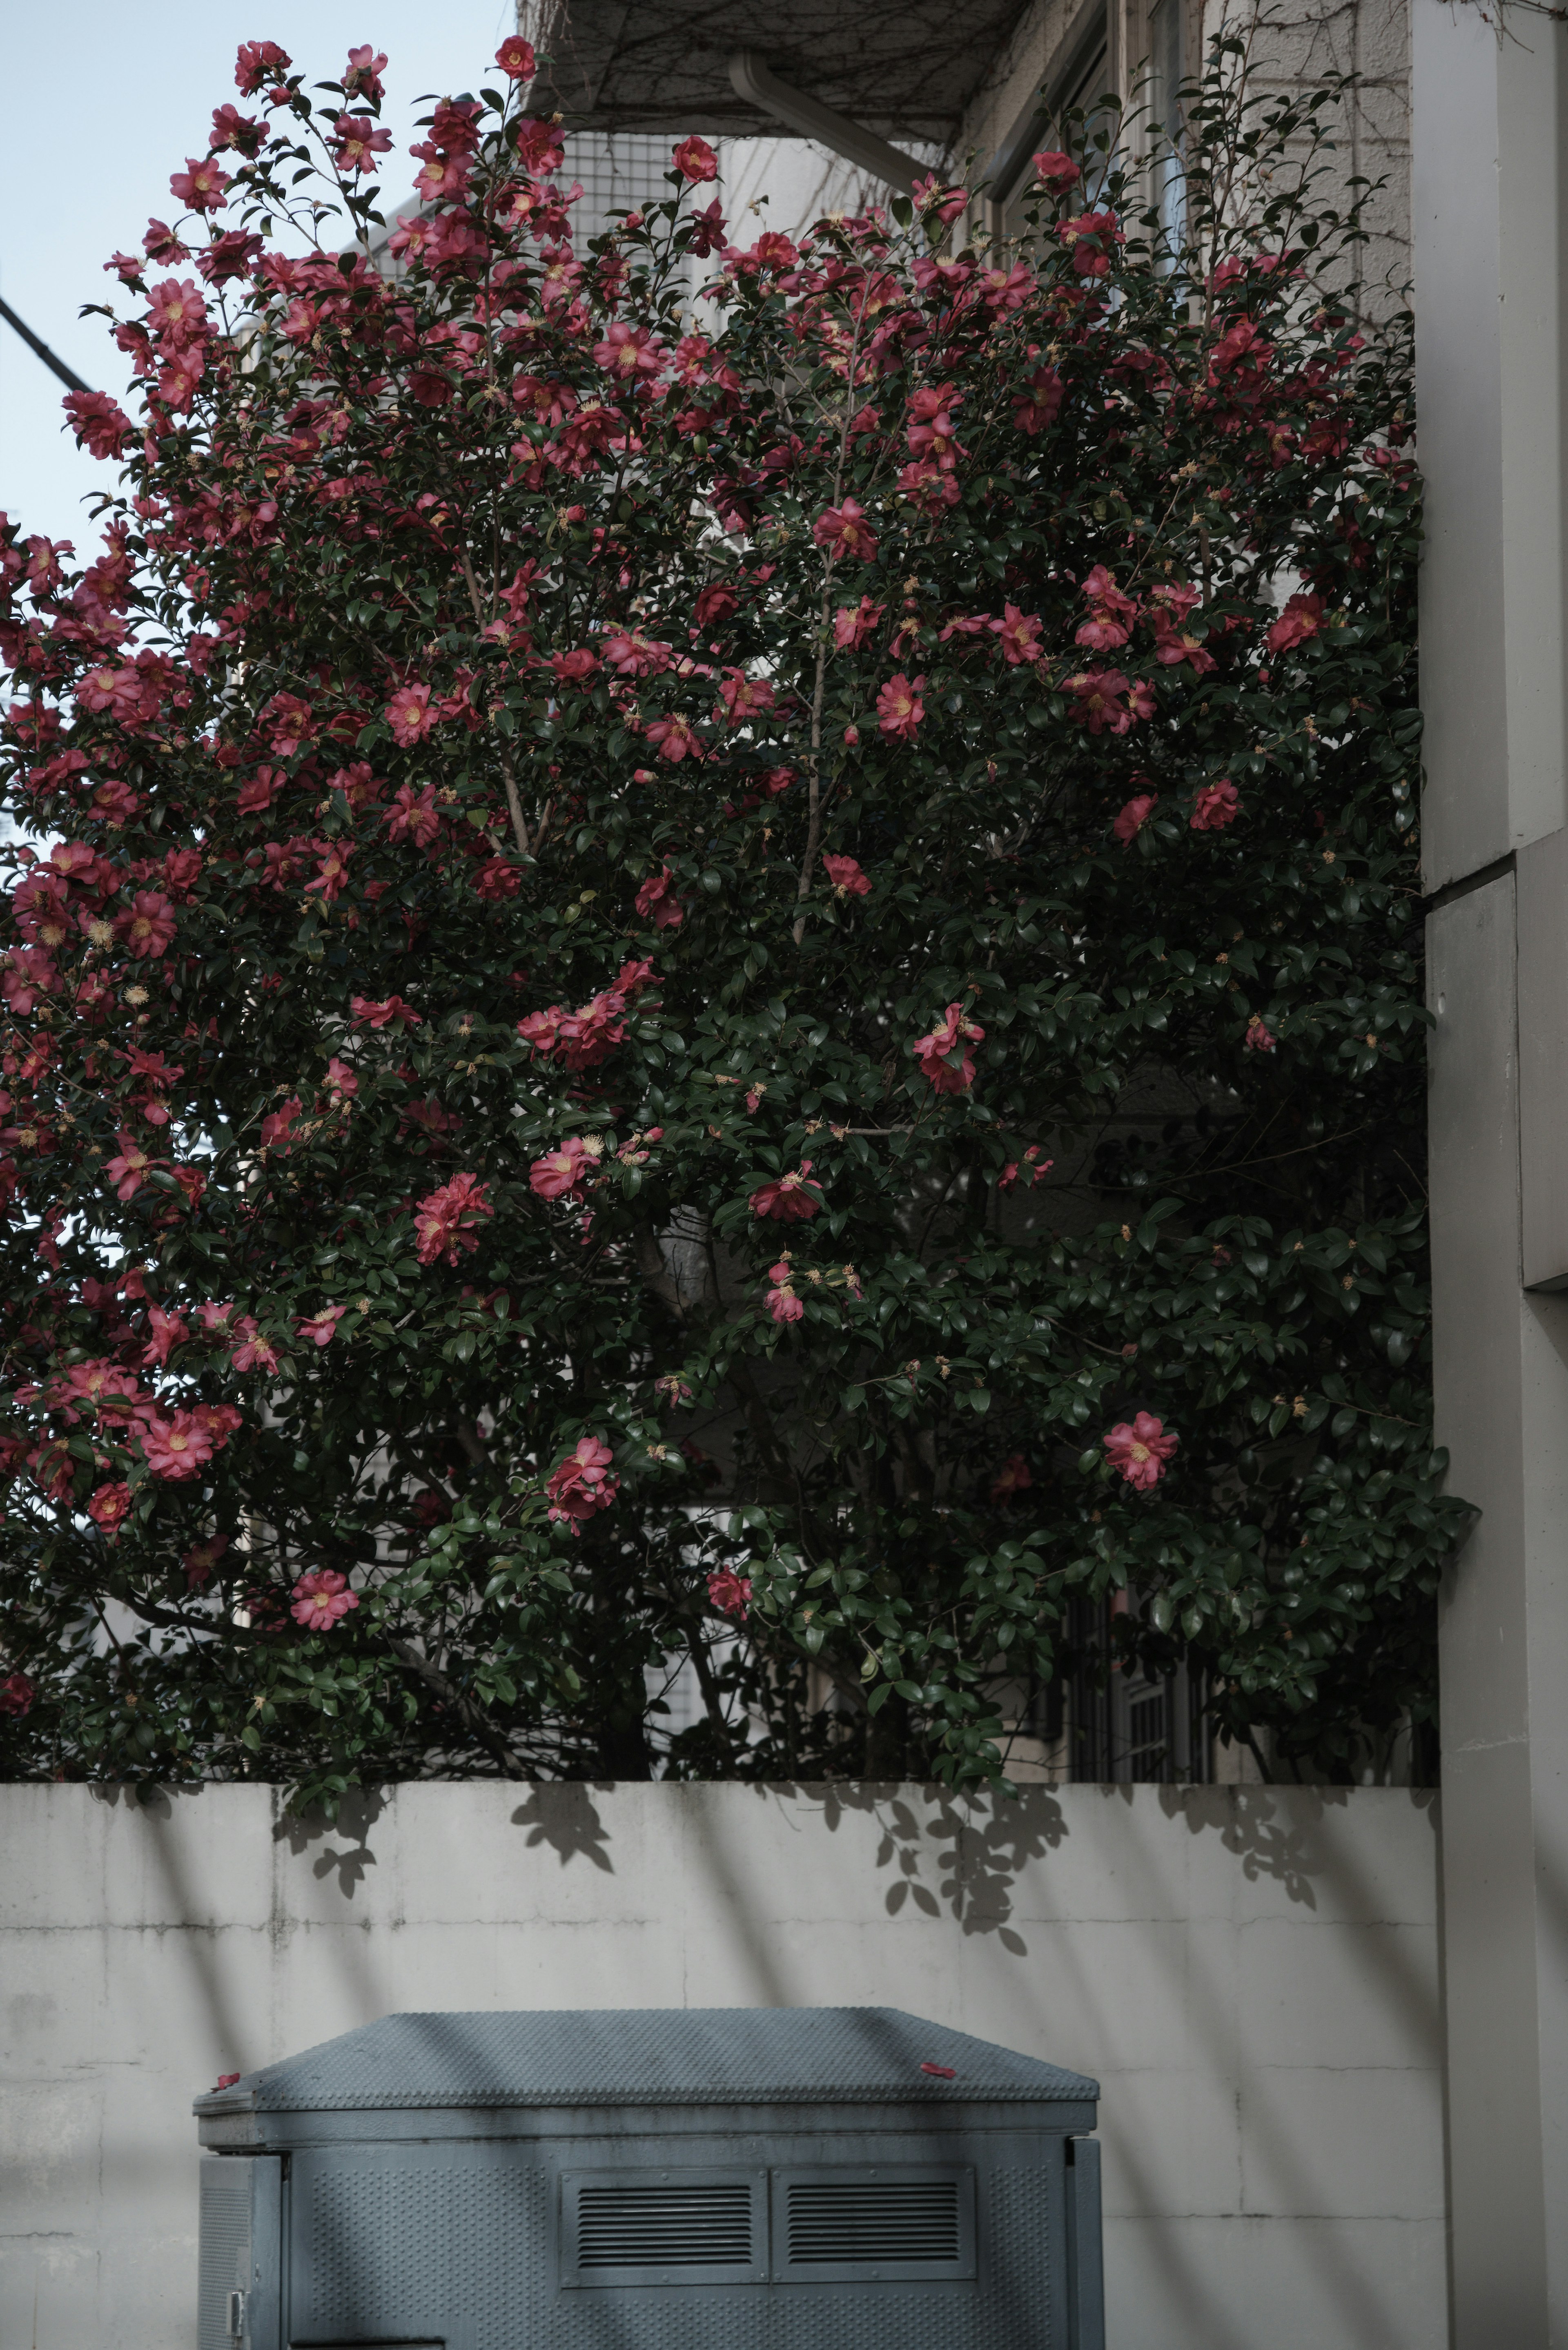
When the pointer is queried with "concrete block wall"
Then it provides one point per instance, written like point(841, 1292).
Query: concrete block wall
point(1250, 1973)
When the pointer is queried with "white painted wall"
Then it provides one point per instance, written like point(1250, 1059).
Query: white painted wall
point(1250, 1973)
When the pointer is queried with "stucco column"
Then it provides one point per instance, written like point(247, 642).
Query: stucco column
point(1488, 151)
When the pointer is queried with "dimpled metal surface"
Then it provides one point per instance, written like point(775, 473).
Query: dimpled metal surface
point(649, 2056)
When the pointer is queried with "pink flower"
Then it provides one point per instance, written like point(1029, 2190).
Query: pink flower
point(1258, 1038)
point(780, 1300)
point(1019, 634)
point(695, 161)
point(1094, 237)
point(790, 1199)
point(359, 140)
point(744, 697)
point(730, 1593)
point(254, 1352)
point(149, 928)
point(446, 1219)
point(128, 1169)
point(1057, 171)
point(259, 61)
point(657, 901)
point(322, 1327)
point(937, 1052)
point(201, 185)
point(322, 1598)
point(516, 58)
point(412, 815)
point(1215, 806)
point(17, 1694)
point(1134, 815)
point(1140, 1450)
point(177, 1447)
point(342, 1084)
point(1301, 619)
point(109, 1506)
point(1012, 1476)
point(1100, 704)
point(1042, 402)
point(582, 1484)
point(380, 1015)
point(410, 715)
point(168, 1331)
point(1111, 614)
point(674, 739)
point(846, 876)
point(558, 1175)
point(275, 1127)
point(100, 425)
point(852, 627)
point(900, 709)
point(629, 353)
point(672, 1390)
point(844, 530)
point(201, 1559)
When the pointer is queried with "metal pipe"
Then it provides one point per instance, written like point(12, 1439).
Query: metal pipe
point(752, 80)
point(72, 381)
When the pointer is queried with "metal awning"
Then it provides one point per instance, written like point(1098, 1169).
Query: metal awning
point(905, 68)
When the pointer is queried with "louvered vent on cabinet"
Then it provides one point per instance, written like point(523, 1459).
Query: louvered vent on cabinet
point(660, 2229)
point(873, 2223)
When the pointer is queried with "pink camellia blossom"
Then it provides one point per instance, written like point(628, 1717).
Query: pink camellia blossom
point(178, 1447)
point(1134, 815)
point(259, 61)
point(1258, 1039)
point(630, 354)
point(252, 1353)
point(1301, 619)
point(846, 876)
point(1140, 1450)
point(1094, 237)
point(100, 425)
point(17, 1694)
point(362, 74)
point(201, 185)
point(695, 161)
point(558, 1175)
point(109, 1505)
point(1215, 806)
point(149, 928)
point(780, 1300)
point(412, 815)
point(851, 629)
point(1012, 1476)
point(900, 709)
point(1055, 170)
point(1019, 634)
point(672, 1390)
point(789, 1199)
point(1111, 614)
point(129, 1169)
point(744, 697)
point(844, 530)
point(582, 1484)
point(516, 58)
point(168, 1331)
point(275, 1127)
point(657, 901)
point(358, 139)
point(382, 1015)
point(201, 1559)
point(322, 1598)
point(342, 1084)
point(675, 739)
point(410, 715)
point(446, 1217)
point(936, 1053)
point(730, 1593)
point(322, 1328)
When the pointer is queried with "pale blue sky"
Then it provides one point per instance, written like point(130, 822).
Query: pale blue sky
point(102, 102)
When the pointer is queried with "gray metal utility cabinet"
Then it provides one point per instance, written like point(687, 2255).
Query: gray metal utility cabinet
point(726, 2179)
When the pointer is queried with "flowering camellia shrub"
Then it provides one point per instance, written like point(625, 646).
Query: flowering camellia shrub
point(724, 975)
